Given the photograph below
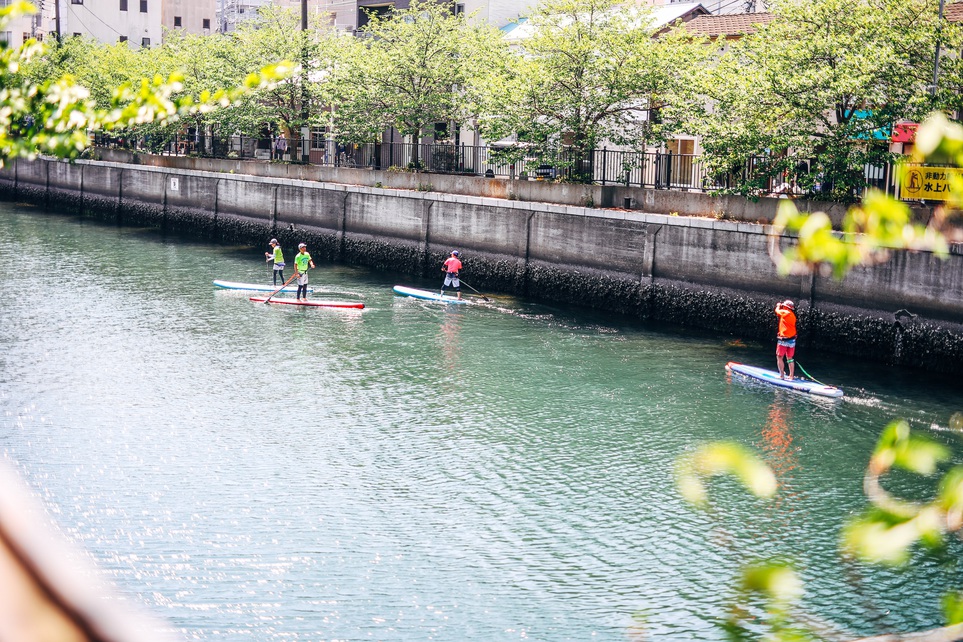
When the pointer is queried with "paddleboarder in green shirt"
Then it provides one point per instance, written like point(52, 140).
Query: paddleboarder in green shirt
point(278, 257)
point(301, 264)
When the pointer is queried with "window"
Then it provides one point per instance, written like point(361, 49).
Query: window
point(77, 34)
point(6, 37)
point(681, 146)
point(26, 36)
point(380, 10)
point(122, 39)
point(319, 135)
point(177, 21)
point(207, 23)
point(143, 6)
point(459, 8)
point(123, 5)
point(145, 42)
point(76, 1)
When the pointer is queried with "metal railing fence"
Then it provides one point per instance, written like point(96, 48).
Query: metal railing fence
point(654, 170)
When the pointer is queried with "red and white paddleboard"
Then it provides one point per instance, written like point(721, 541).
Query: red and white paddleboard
point(314, 303)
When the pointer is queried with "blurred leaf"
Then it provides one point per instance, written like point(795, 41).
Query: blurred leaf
point(722, 458)
point(776, 588)
point(939, 141)
point(877, 539)
point(950, 498)
point(869, 232)
point(898, 448)
point(953, 608)
point(886, 533)
point(777, 581)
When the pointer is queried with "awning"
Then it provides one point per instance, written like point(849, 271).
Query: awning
point(905, 132)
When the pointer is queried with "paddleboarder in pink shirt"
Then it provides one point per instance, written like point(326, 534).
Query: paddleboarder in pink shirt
point(451, 268)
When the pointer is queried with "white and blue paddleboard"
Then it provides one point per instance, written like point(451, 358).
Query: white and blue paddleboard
point(427, 295)
point(255, 287)
point(772, 377)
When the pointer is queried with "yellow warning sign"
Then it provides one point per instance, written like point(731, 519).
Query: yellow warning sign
point(929, 183)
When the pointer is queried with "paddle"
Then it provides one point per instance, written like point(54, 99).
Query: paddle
point(268, 300)
point(475, 291)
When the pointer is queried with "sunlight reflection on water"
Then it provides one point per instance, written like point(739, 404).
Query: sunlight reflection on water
point(410, 471)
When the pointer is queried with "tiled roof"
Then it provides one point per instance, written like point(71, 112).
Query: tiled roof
point(730, 24)
point(953, 12)
point(741, 24)
point(661, 16)
point(669, 13)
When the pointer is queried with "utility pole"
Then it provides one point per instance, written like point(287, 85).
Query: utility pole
point(305, 154)
point(936, 56)
point(57, 19)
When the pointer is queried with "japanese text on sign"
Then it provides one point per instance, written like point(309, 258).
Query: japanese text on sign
point(929, 183)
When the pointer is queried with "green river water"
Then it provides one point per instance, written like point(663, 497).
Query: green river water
point(413, 471)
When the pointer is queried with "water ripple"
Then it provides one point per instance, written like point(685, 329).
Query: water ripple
point(410, 471)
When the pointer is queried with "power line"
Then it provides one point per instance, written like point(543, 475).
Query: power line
point(89, 30)
point(732, 3)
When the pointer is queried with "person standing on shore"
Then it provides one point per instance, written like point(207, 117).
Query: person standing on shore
point(277, 256)
point(451, 268)
point(301, 264)
point(786, 337)
point(280, 147)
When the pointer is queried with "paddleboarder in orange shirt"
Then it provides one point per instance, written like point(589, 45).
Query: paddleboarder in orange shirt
point(786, 338)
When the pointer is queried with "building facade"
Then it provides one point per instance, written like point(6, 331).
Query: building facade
point(24, 28)
point(138, 22)
point(231, 13)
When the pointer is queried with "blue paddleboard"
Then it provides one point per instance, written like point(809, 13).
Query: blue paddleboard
point(427, 295)
point(255, 287)
point(772, 377)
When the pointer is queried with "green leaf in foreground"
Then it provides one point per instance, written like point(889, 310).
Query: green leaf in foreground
point(724, 458)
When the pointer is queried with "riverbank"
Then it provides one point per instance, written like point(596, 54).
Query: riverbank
point(692, 271)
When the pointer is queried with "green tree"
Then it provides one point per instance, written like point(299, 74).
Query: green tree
point(411, 69)
point(56, 115)
point(100, 68)
point(300, 101)
point(204, 63)
point(815, 92)
point(594, 71)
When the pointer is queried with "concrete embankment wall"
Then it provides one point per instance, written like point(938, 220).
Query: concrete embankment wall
point(698, 272)
point(653, 201)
